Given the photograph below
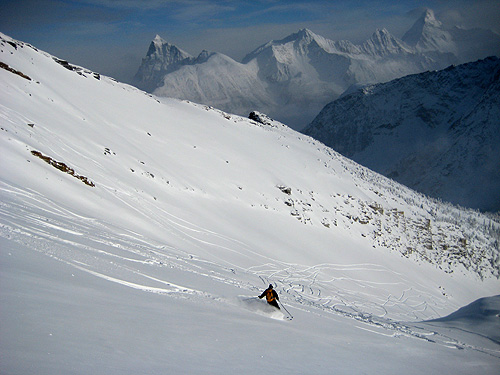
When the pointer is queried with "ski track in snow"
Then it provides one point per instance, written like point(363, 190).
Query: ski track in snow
point(133, 261)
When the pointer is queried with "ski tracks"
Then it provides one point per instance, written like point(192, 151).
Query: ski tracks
point(126, 258)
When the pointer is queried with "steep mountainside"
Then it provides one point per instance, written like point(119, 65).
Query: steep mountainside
point(436, 132)
point(427, 34)
point(137, 231)
point(293, 78)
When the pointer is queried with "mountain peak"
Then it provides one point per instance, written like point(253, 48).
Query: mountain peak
point(382, 42)
point(427, 34)
point(306, 33)
point(203, 56)
point(429, 18)
point(159, 40)
point(382, 31)
point(381, 35)
point(160, 48)
point(302, 37)
point(162, 57)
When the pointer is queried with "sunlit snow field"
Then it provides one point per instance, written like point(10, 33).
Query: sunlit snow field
point(156, 268)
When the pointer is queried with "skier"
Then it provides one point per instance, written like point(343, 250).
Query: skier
point(271, 296)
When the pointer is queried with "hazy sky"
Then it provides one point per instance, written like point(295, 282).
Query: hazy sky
point(112, 36)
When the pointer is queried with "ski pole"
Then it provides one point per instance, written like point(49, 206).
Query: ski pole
point(284, 308)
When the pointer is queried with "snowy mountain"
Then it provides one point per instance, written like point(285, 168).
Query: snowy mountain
point(137, 231)
point(427, 35)
point(162, 58)
point(293, 78)
point(436, 132)
point(220, 81)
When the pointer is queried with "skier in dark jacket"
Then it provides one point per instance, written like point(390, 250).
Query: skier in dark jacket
point(271, 296)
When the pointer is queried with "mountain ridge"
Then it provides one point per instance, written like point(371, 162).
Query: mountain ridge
point(299, 74)
point(430, 131)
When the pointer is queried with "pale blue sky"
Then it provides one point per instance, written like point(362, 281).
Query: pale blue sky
point(111, 36)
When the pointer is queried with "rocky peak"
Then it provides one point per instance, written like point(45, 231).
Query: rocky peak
point(306, 34)
point(162, 58)
point(166, 52)
point(429, 18)
point(382, 42)
point(203, 57)
point(427, 34)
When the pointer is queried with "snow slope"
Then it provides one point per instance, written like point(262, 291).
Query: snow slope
point(436, 132)
point(293, 78)
point(136, 232)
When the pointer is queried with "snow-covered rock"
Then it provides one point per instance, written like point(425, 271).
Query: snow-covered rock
point(137, 231)
point(293, 78)
point(427, 34)
point(161, 58)
point(436, 132)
